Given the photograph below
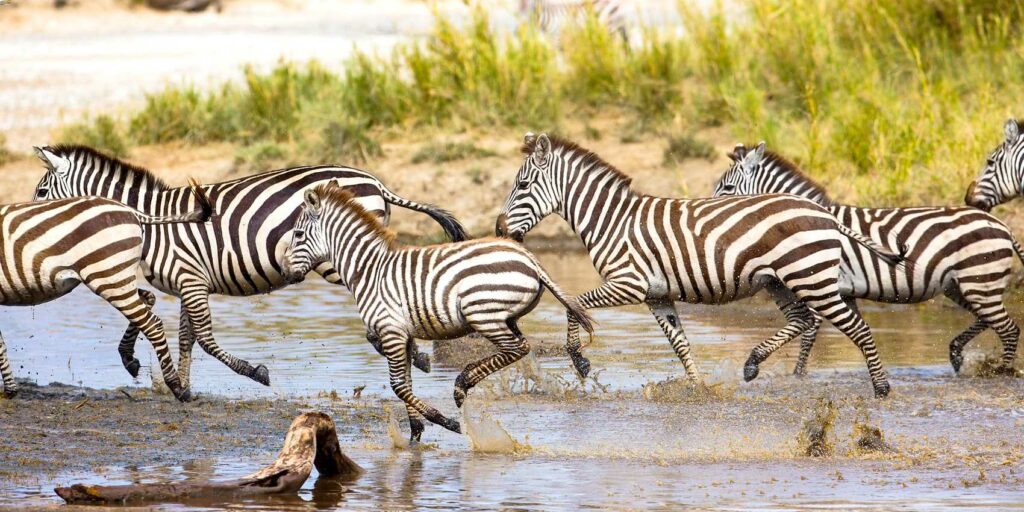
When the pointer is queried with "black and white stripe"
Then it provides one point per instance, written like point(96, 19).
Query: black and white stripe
point(436, 292)
point(660, 251)
point(960, 252)
point(237, 253)
point(48, 248)
point(552, 16)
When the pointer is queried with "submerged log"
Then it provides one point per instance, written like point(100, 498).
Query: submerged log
point(311, 441)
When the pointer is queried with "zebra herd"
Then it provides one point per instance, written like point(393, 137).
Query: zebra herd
point(99, 221)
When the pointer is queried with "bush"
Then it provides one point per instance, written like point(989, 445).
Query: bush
point(687, 145)
point(440, 153)
point(102, 133)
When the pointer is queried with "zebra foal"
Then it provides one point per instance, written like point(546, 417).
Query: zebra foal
point(237, 253)
point(48, 248)
point(960, 252)
point(438, 292)
point(659, 251)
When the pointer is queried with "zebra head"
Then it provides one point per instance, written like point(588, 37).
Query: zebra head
point(308, 246)
point(1003, 177)
point(536, 193)
point(740, 179)
point(57, 182)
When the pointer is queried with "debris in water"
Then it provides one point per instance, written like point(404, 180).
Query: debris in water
point(816, 436)
point(358, 391)
point(487, 435)
point(869, 438)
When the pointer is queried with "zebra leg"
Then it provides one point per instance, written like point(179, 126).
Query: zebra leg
point(135, 309)
point(846, 318)
point(988, 308)
point(957, 344)
point(10, 387)
point(807, 339)
point(197, 304)
point(127, 346)
point(798, 319)
point(512, 346)
point(186, 340)
point(610, 294)
point(419, 359)
point(395, 344)
point(665, 314)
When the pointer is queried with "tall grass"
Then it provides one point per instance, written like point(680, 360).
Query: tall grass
point(885, 102)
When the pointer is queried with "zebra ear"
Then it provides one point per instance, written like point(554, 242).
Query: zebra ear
point(753, 158)
point(542, 148)
point(312, 201)
point(737, 153)
point(529, 138)
point(1012, 131)
point(52, 161)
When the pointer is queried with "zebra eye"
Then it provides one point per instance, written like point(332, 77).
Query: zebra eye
point(299, 234)
point(523, 184)
point(729, 187)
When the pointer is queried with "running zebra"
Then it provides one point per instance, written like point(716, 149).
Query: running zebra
point(238, 253)
point(960, 252)
point(1003, 177)
point(48, 248)
point(551, 16)
point(438, 292)
point(661, 251)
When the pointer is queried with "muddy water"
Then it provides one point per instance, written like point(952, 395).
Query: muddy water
point(622, 440)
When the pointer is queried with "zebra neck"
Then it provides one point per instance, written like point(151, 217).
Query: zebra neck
point(355, 255)
point(596, 211)
point(148, 198)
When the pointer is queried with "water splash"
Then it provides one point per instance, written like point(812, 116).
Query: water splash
point(816, 437)
point(721, 382)
point(398, 440)
point(984, 365)
point(487, 435)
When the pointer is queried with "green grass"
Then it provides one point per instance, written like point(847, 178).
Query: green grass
point(887, 103)
point(682, 146)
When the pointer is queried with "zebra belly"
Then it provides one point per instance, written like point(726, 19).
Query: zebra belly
point(41, 291)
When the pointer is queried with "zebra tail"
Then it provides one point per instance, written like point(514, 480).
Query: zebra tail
point(452, 227)
point(887, 255)
point(202, 213)
point(572, 306)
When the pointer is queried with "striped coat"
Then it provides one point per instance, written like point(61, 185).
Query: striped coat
point(962, 253)
point(437, 292)
point(660, 251)
point(48, 248)
point(237, 253)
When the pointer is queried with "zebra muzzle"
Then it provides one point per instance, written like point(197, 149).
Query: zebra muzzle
point(971, 200)
point(501, 226)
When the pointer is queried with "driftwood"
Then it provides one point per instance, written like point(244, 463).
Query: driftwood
point(183, 5)
point(311, 441)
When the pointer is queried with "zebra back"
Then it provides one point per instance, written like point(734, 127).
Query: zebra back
point(759, 171)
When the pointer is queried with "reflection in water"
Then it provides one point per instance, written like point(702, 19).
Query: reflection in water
point(597, 443)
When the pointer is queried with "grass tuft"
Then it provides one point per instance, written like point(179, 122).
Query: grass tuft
point(440, 153)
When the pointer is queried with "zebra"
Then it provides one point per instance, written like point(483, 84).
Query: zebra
point(436, 292)
point(552, 15)
point(960, 252)
point(660, 251)
point(1003, 177)
point(48, 248)
point(238, 253)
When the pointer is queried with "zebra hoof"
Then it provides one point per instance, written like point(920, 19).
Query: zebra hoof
point(750, 371)
point(422, 362)
point(881, 389)
point(451, 424)
point(582, 365)
point(957, 360)
point(460, 397)
point(10, 391)
point(800, 371)
point(133, 368)
point(261, 374)
point(416, 429)
point(183, 395)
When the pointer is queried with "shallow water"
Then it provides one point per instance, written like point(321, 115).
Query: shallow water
point(622, 441)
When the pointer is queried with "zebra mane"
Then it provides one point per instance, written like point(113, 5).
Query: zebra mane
point(342, 198)
point(588, 157)
point(77, 151)
point(786, 165)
